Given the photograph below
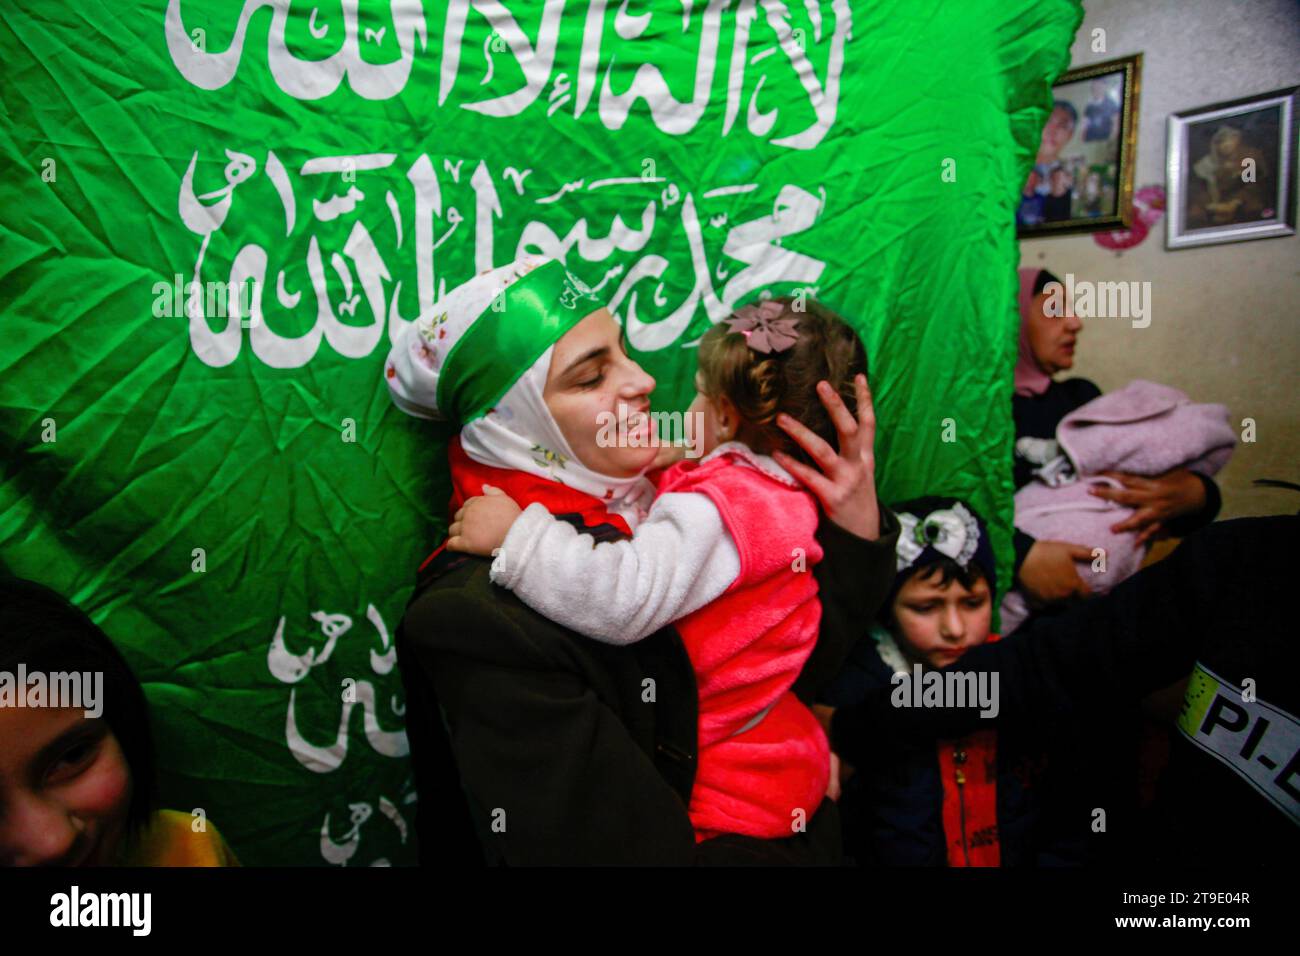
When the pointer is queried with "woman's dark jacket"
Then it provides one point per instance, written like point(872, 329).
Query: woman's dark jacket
point(534, 745)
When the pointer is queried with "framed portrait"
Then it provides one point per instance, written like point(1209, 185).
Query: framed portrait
point(1082, 180)
point(1232, 171)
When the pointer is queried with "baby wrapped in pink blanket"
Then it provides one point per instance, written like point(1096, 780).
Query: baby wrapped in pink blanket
point(1142, 429)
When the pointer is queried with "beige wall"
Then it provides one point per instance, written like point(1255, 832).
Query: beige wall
point(1225, 320)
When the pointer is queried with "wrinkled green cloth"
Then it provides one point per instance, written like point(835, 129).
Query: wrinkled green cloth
point(231, 493)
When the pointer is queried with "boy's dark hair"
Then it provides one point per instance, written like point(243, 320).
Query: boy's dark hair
point(762, 385)
point(950, 570)
point(46, 632)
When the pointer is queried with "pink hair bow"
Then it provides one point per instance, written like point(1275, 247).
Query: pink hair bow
point(763, 327)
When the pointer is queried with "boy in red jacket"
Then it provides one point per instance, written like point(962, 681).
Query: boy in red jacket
point(965, 801)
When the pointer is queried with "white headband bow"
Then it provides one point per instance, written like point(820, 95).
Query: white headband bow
point(953, 532)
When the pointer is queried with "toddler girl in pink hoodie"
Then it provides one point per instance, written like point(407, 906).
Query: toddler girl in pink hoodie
point(725, 554)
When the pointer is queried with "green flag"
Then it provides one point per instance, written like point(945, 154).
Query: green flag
point(215, 219)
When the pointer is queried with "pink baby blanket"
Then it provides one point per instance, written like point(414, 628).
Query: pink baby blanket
point(1142, 429)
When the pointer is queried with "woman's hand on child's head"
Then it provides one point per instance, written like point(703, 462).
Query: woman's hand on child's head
point(482, 523)
point(846, 484)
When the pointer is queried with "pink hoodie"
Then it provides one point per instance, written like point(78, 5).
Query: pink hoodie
point(764, 761)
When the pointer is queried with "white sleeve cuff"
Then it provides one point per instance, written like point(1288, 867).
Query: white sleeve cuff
point(521, 541)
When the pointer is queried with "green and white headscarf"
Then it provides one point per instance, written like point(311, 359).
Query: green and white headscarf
point(480, 356)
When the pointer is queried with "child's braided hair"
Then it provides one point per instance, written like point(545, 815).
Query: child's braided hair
point(761, 385)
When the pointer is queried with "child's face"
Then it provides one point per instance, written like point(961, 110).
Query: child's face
point(65, 788)
point(712, 420)
point(1057, 132)
point(937, 623)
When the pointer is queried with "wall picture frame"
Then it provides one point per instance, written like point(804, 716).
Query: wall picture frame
point(1231, 171)
point(1082, 177)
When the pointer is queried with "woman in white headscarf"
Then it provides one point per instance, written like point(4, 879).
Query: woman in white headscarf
point(546, 746)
